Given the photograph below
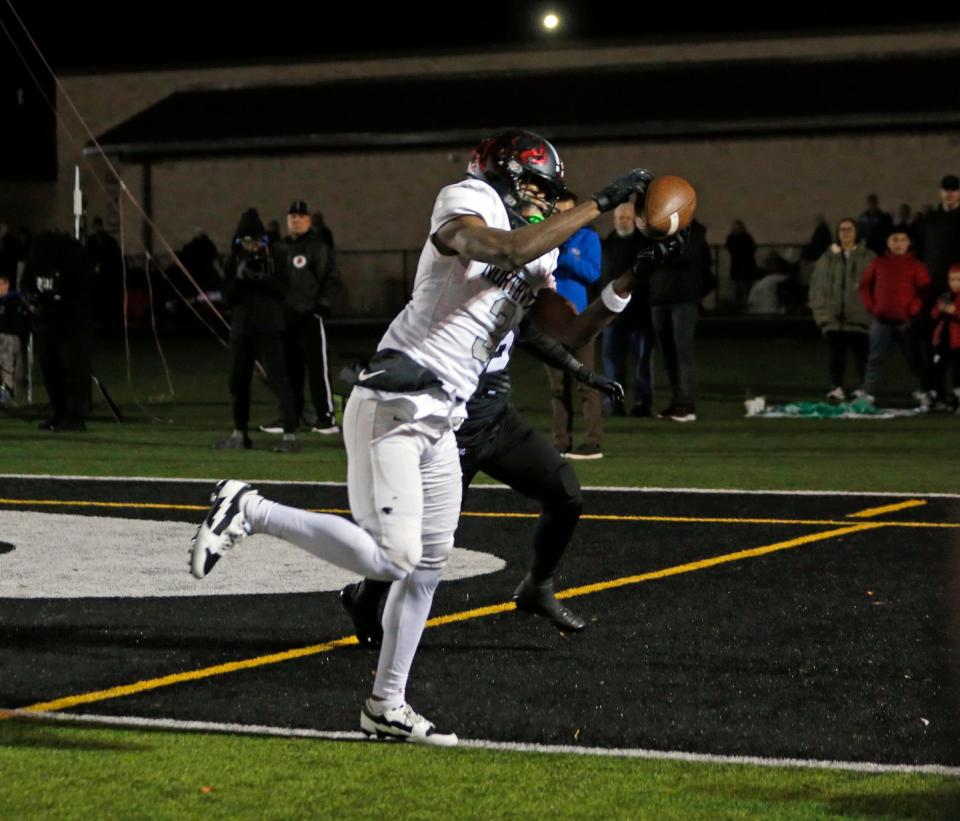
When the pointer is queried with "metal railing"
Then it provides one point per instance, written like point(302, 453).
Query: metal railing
point(378, 283)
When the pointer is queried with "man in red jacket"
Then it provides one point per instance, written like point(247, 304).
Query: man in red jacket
point(892, 289)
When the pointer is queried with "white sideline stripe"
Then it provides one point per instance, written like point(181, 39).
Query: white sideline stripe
point(479, 744)
point(186, 480)
point(495, 486)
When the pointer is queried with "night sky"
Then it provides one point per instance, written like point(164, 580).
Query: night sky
point(110, 35)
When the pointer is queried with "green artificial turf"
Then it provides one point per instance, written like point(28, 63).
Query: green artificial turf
point(723, 449)
point(72, 772)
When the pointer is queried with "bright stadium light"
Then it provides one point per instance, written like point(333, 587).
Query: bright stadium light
point(550, 21)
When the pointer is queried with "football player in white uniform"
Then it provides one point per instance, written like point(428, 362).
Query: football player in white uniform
point(482, 269)
point(496, 439)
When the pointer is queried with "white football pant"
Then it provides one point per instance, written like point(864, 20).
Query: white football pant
point(404, 484)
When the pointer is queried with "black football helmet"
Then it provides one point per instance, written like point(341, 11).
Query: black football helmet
point(511, 158)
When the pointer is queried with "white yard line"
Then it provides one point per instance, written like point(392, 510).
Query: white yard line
point(494, 486)
point(479, 744)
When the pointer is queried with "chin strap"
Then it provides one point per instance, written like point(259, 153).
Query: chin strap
point(506, 189)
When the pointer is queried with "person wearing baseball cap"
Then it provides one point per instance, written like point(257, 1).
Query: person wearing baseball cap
point(308, 261)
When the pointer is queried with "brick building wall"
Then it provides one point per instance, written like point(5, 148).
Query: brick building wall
point(382, 200)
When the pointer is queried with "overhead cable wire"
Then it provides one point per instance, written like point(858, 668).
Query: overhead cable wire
point(110, 166)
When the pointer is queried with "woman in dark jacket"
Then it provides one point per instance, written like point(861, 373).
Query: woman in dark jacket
point(837, 307)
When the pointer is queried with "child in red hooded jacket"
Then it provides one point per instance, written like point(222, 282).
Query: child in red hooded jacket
point(892, 290)
point(946, 334)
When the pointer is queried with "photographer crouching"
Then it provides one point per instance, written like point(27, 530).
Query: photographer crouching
point(254, 288)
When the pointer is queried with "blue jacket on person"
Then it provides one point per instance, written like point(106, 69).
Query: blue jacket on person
point(578, 266)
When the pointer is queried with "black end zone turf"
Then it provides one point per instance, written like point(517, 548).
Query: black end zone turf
point(840, 649)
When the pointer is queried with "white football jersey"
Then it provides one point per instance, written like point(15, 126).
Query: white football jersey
point(462, 310)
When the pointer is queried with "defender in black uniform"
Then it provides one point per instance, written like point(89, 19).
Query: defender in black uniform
point(308, 262)
point(496, 439)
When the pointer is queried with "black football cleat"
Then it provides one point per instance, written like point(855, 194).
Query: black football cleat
point(539, 600)
point(364, 612)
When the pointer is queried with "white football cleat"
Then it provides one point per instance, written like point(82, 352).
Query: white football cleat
point(402, 724)
point(223, 526)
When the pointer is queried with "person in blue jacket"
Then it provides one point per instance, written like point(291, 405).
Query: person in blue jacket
point(578, 267)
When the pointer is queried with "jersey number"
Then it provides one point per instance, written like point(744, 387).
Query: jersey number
point(503, 312)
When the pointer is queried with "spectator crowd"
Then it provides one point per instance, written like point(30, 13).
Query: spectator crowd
point(876, 281)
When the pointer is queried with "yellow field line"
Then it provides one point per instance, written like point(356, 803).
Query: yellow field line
point(718, 560)
point(879, 511)
point(465, 615)
point(712, 520)
point(588, 517)
point(84, 503)
point(179, 678)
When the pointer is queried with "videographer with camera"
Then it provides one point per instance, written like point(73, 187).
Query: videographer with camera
point(57, 287)
point(254, 288)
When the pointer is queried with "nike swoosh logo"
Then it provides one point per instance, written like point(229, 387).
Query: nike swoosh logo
point(363, 376)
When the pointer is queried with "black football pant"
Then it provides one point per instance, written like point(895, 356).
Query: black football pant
point(522, 458)
point(305, 347)
point(65, 363)
point(268, 348)
point(838, 342)
point(945, 361)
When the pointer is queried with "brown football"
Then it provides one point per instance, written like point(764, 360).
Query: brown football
point(668, 206)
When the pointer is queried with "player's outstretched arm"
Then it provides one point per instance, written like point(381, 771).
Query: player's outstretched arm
point(549, 351)
point(599, 313)
point(472, 238)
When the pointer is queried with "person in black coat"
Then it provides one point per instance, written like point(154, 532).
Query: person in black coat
point(820, 240)
point(307, 259)
point(58, 287)
point(938, 241)
point(743, 261)
point(107, 261)
point(254, 288)
point(631, 333)
point(873, 226)
point(676, 288)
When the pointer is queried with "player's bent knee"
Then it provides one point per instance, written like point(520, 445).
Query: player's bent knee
point(404, 553)
point(436, 550)
point(565, 494)
point(424, 580)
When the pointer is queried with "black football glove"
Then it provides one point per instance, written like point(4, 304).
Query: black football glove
point(621, 189)
point(608, 387)
point(654, 252)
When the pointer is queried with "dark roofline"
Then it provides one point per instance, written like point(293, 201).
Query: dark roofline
point(693, 100)
point(662, 131)
point(654, 39)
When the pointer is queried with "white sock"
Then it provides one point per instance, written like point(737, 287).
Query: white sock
point(404, 616)
point(331, 538)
